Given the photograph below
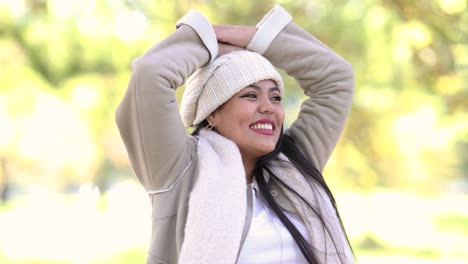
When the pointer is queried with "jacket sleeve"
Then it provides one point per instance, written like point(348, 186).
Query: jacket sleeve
point(148, 118)
point(326, 78)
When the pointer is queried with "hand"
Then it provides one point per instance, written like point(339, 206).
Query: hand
point(224, 48)
point(239, 36)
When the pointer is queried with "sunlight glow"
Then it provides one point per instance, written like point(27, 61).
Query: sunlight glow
point(65, 9)
point(85, 97)
point(416, 133)
point(376, 17)
point(450, 84)
point(453, 7)
point(130, 25)
point(17, 8)
point(56, 139)
point(415, 33)
point(90, 26)
point(419, 129)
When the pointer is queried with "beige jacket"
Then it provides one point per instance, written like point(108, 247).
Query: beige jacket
point(165, 158)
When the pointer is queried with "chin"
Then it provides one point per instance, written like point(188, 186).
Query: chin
point(257, 150)
point(266, 151)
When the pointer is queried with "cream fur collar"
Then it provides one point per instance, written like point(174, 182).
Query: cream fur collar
point(218, 204)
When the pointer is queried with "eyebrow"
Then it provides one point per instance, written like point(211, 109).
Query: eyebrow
point(256, 87)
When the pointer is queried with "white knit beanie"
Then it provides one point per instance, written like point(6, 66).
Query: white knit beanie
point(214, 84)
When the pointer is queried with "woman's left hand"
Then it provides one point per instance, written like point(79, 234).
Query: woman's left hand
point(224, 48)
point(239, 36)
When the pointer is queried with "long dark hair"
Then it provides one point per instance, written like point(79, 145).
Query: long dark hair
point(291, 150)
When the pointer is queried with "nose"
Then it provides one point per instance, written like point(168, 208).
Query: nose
point(265, 105)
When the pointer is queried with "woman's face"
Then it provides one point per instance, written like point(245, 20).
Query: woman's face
point(252, 118)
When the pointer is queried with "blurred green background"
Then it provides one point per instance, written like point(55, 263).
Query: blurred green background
point(400, 171)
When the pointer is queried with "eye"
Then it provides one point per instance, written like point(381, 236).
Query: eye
point(249, 95)
point(277, 98)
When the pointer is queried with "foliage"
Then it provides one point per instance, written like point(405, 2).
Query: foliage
point(454, 223)
point(65, 66)
point(130, 256)
point(370, 245)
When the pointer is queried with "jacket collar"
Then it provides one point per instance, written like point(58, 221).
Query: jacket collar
point(218, 205)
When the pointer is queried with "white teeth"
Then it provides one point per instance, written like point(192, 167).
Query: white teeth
point(262, 126)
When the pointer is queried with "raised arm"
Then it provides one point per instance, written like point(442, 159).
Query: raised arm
point(326, 78)
point(148, 118)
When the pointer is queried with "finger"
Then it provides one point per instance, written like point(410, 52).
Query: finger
point(224, 48)
point(228, 34)
point(220, 31)
point(235, 35)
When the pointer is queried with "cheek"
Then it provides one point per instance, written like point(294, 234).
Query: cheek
point(234, 119)
point(240, 114)
point(280, 115)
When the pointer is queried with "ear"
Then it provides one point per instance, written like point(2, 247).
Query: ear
point(213, 118)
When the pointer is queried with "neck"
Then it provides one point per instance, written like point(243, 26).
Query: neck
point(249, 165)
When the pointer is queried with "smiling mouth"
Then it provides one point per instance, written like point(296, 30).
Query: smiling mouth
point(266, 129)
point(262, 126)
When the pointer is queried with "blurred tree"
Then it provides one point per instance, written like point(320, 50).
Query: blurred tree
point(4, 182)
point(65, 66)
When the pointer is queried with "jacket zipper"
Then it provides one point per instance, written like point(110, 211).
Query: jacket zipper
point(248, 218)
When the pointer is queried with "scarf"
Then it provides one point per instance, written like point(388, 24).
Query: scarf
point(218, 205)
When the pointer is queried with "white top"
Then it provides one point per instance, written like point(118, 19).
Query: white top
point(268, 241)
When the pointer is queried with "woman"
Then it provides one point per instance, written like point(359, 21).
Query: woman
point(238, 190)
